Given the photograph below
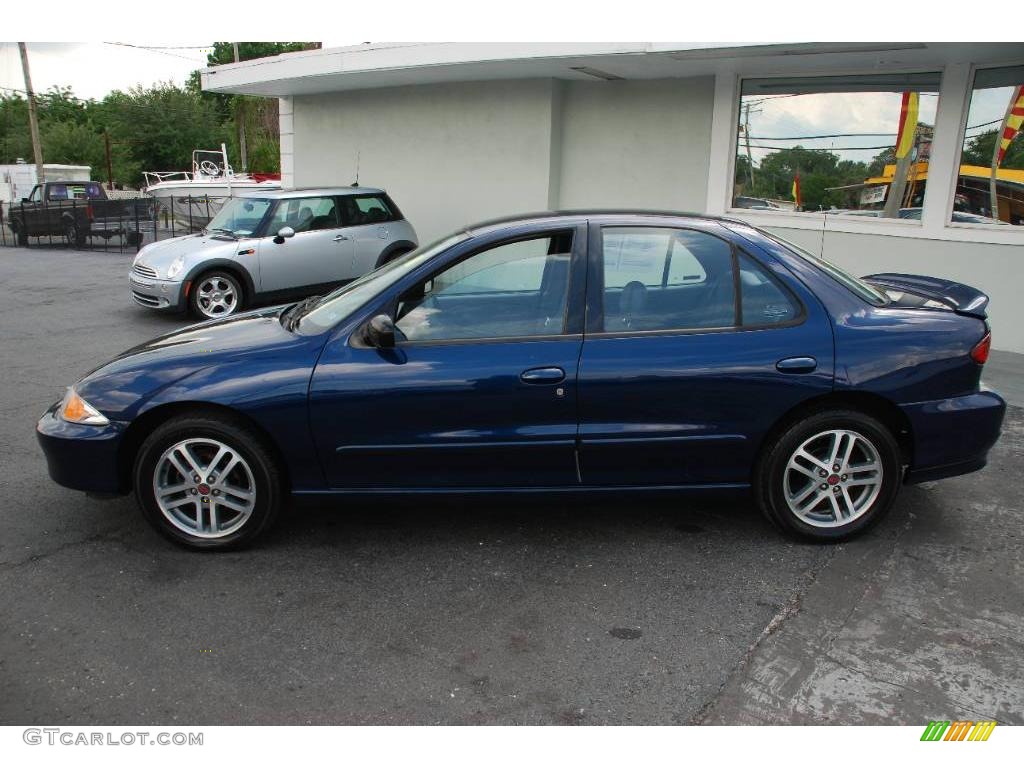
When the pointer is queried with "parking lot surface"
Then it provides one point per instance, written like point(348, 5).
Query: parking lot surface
point(626, 610)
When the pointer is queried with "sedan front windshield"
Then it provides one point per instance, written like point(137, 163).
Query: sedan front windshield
point(341, 303)
point(240, 216)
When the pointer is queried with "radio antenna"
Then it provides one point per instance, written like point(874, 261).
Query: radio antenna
point(358, 156)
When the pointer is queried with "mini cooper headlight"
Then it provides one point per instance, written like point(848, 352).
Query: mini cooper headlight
point(74, 409)
point(176, 266)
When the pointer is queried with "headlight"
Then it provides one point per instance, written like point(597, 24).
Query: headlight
point(176, 266)
point(74, 409)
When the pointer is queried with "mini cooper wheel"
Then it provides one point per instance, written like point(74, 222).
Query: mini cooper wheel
point(216, 295)
point(830, 475)
point(207, 483)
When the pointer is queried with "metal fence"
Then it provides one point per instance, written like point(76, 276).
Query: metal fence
point(124, 224)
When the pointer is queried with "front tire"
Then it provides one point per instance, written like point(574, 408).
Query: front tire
point(207, 482)
point(215, 295)
point(829, 476)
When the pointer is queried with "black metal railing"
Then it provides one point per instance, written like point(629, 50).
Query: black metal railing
point(123, 224)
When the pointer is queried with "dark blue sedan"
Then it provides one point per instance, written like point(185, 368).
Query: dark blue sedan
point(557, 352)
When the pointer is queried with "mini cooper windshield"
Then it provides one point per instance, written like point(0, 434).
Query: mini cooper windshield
point(240, 217)
point(336, 306)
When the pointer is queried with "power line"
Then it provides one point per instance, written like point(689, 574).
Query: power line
point(152, 49)
point(819, 136)
point(822, 149)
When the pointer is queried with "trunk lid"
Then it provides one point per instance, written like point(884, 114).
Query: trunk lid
point(931, 293)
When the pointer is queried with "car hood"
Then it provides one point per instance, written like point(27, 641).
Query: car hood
point(219, 361)
point(160, 254)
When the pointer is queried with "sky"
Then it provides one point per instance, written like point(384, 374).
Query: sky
point(95, 69)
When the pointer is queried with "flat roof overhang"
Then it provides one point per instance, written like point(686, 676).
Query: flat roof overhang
point(383, 65)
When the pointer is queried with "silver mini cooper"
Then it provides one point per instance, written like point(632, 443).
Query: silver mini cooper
point(267, 246)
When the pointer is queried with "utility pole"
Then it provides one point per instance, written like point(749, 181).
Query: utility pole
point(240, 116)
point(746, 136)
point(33, 119)
point(110, 166)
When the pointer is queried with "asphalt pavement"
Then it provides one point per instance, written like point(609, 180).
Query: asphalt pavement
point(627, 610)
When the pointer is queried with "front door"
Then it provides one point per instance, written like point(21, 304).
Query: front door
point(480, 389)
point(693, 351)
point(320, 252)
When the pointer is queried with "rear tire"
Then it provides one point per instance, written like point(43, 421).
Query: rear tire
point(829, 476)
point(238, 494)
point(74, 235)
point(388, 257)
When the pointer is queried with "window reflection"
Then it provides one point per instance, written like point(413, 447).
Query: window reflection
point(852, 146)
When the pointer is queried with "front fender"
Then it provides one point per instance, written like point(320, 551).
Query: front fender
point(236, 268)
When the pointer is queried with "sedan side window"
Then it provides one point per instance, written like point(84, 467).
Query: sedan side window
point(763, 299)
point(660, 279)
point(305, 214)
point(514, 289)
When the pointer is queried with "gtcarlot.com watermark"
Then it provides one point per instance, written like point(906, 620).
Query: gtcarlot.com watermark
point(72, 738)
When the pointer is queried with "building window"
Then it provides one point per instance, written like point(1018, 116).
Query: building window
point(990, 184)
point(851, 146)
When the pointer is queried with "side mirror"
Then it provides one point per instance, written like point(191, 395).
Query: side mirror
point(380, 332)
point(282, 233)
point(25, 200)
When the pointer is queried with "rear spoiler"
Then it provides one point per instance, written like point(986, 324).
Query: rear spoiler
point(962, 299)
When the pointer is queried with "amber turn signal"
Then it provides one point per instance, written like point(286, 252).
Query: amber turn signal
point(77, 411)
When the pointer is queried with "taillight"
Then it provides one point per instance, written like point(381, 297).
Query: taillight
point(979, 353)
point(88, 212)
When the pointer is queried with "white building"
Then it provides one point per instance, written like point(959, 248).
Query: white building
point(461, 132)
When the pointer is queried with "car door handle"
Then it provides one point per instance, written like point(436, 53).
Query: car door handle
point(796, 365)
point(339, 238)
point(550, 375)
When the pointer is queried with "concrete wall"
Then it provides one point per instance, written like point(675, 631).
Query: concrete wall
point(453, 154)
point(450, 155)
point(995, 269)
point(636, 144)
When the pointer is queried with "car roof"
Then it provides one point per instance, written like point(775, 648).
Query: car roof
point(286, 194)
point(620, 215)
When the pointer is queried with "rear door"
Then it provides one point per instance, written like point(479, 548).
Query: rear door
point(368, 219)
point(319, 253)
point(693, 349)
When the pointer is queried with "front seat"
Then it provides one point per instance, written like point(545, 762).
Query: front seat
point(632, 302)
point(304, 219)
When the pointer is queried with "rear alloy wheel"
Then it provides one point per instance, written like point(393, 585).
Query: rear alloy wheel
point(216, 295)
point(207, 483)
point(830, 475)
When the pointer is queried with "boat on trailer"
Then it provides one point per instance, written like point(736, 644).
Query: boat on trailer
point(194, 197)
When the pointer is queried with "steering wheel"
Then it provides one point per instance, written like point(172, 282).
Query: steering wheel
point(209, 168)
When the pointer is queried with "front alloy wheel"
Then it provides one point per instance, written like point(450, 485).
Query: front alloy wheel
point(204, 487)
point(208, 482)
point(216, 295)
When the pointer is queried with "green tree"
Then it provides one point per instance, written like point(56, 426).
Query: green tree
point(818, 172)
point(978, 151)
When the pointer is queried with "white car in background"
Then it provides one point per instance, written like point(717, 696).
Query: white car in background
point(268, 246)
